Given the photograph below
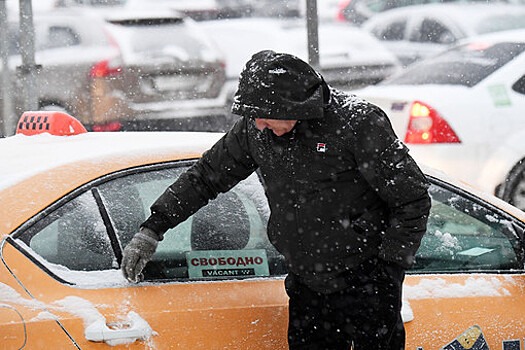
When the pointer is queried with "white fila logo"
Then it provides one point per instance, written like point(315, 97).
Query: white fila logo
point(321, 147)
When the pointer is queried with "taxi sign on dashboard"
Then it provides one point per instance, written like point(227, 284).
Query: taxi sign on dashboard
point(227, 263)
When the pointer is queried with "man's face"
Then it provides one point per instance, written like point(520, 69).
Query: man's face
point(277, 126)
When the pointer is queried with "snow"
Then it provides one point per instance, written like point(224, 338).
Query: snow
point(18, 151)
point(438, 288)
point(95, 324)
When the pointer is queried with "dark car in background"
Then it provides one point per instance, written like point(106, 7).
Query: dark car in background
point(126, 70)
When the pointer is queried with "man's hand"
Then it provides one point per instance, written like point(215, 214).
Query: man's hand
point(138, 252)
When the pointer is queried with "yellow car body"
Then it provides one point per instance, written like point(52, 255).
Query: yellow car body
point(41, 307)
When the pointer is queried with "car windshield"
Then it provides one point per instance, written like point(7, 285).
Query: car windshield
point(465, 65)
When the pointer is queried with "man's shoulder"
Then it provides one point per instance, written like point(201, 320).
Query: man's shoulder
point(349, 104)
point(351, 110)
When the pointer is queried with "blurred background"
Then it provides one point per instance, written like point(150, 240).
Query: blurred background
point(124, 65)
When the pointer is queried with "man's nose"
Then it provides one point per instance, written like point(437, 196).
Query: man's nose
point(260, 124)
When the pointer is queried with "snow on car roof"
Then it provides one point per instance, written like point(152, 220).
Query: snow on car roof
point(25, 156)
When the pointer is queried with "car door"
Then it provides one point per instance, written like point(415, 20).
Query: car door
point(466, 290)
point(214, 282)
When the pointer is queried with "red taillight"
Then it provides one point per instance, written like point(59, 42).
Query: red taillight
point(426, 126)
point(104, 69)
point(112, 126)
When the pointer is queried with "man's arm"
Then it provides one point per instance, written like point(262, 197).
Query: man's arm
point(219, 169)
point(385, 163)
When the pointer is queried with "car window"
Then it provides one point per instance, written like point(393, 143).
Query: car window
point(432, 31)
point(73, 236)
point(59, 36)
point(46, 37)
point(225, 239)
point(465, 235)
point(462, 65)
point(519, 85)
point(394, 31)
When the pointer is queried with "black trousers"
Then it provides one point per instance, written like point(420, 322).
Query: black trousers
point(365, 315)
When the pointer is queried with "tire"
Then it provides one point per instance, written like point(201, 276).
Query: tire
point(514, 187)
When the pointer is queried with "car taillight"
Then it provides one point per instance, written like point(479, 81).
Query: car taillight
point(111, 126)
point(426, 126)
point(104, 69)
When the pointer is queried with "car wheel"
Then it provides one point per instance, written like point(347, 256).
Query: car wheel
point(514, 190)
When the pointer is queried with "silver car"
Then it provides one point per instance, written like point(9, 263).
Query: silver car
point(147, 70)
point(414, 33)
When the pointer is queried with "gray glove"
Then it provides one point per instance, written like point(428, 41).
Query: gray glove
point(138, 252)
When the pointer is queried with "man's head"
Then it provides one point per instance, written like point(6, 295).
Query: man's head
point(279, 86)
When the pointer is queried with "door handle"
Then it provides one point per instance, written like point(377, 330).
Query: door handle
point(128, 331)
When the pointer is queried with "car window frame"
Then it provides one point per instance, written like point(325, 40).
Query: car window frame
point(518, 226)
point(93, 187)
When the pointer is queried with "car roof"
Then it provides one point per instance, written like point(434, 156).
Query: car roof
point(468, 14)
point(31, 165)
point(28, 156)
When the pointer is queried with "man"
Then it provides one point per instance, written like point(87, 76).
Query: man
point(348, 204)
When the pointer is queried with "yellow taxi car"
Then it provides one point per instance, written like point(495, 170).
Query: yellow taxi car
point(69, 204)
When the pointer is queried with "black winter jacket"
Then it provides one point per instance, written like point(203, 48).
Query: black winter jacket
point(342, 189)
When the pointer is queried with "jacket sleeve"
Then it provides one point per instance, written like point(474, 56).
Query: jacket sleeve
point(384, 162)
point(219, 169)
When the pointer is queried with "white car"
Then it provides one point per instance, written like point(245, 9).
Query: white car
point(416, 32)
point(349, 57)
point(463, 112)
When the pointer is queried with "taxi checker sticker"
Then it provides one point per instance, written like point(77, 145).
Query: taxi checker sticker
point(471, 339)
point(227, 263)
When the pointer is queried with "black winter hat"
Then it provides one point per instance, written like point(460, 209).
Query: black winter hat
point(279, 86)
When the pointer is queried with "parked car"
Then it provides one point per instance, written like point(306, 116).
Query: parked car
point(215, 281)
point(349, 57)
point(359, 11)
point(462, 112)
point(126, 70)
point(416, 32)
point(202, 10)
